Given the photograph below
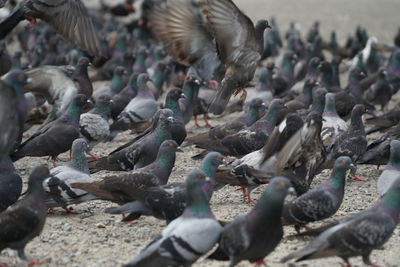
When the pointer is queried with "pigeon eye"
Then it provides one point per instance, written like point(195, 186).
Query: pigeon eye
point(176, 92)
point(281, 185)
point(218, 158)
point(343, 162)
point(200, 176)
point(170, 145)
point(21, 77)
point(82, 99)
point(43, 171)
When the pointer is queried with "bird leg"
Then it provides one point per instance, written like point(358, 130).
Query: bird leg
point(70, 211)
point(94, 157)
point(347, 264)
point(358, 178)
point(129, 223)
point(260, 262)
point(244, 93)
point(70, 154)
point(244, 190)
point(196, 123)
point(37, 262)
point(207, 123)
point(32, 22)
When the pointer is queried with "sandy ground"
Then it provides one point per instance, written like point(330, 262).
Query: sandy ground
point(75, 240)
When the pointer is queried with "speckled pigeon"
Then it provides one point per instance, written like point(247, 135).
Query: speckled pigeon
point(358, 234)
point(188, 237)
point(321, 202)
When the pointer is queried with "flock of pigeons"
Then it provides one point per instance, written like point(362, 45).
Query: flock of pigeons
point(180, 59)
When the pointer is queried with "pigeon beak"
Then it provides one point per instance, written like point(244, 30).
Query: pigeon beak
point(90, 102)
point(353, 169)
point(208, 179)
point(371, 112)
point(196, 81)
point(125, 72)
point(170, 119)
point(179, 149)
point(183, 95)
point(292, 191)
point(111, 101)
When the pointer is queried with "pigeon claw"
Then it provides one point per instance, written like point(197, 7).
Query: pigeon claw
point(358, 178)
point(244, 191)
point(70, 211)
point(208, 125)
point(260, 262)
point(37, 262)
point(94, 157)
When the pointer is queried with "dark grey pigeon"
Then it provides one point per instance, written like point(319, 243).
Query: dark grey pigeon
point(116, 84)
point(178, 131)
point(24, 220)
point(384, 121)
point(380, 92)
point(168, 202)
point(189, 236)
point(191, 89)
point(245, 237)
point(358, 234)
point(239, 46)
point(122, 188)
point(321, 202)
point(10, 184)
point(12, 111)
point(55, 137)
point(140, 153)
point(68, 18)
point(58, 190)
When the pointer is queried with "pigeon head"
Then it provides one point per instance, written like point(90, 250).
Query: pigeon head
point(314, 63)
point(382, 73)
point(394, 159)
point(36, 178)
point(80, 100)
point(166, 116)
point(309, 85)
point(142, 80)
point(84, 62)
point(197, 202)
point(270, 66)
point(319, 100)
point(102, 106)
point(359, 110)
point(104, 99)
point(120, 71)
point(209, 166)
point(256, 110)
point(344, 163)
point(276, 105)
point(17, 79)
point(271, 201)
point(175, 94)
point(262, 24)
point(357, 75)
point(79, 145)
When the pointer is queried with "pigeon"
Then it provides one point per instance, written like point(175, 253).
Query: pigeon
point(10, 184)
point(122, 99)
point(55, 137)
point(25, 219)
point(326, 77)
point(58, 190)
point(284, 78)
point(304, 152)
point(378, 152)
point(121, 188)
point(189, 236)
point(332, 125)
point(209, 139)
point(167, 202)
point(392, 169)
point(384, 121)
point(321, 202)
point(256, 136)
point(180, 28)
point(191, 90)
point(244, 238)
point(94, 124)
point(140, 153)
point(59, 85)
point(178, 131)
point(259, 167)
point(69, 18)
point(239, 46)
point(12, 111)
point(140, 108)
point(346, 99)
point(352, 143)
point(116, 84)
point(302, 101)
point(356, 234)
point(380, 92)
